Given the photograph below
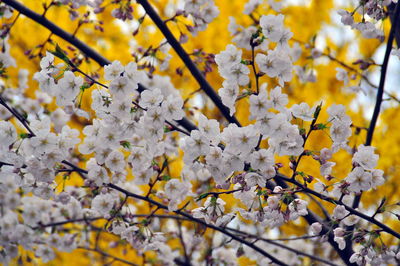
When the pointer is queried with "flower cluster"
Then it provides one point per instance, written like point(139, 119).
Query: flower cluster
point(229, 178)
point(375, 10)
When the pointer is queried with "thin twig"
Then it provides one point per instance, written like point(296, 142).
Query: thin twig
point(105, 254)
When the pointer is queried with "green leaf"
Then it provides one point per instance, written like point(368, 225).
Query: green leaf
point(320, 127)
point(317, 111)
point(84, 87)
point(61, 54)
point(202, 196)
point(126, 144)
point(167, 129)
point(24, 135)
point(166, 178)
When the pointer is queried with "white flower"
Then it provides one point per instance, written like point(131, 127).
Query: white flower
point(351, 220)
point(338, 237)
point(198, 143)
point(366, 157)
point(253, 179)
point(340, 241)
point(176, 191)
point(142, 176)
point(45, 253)
point(315, 228)
point(120, 87)
point(289, 142)
point(121, 108)
point(214, 156)
point(278, 99)
point(113, 70)
point(395, 52)
point(69, 87)
point(96, 173)
point(273, 202)
point(172, 108)
point(340, 212)
point(276, 5)
point(272, 26)
point(245, 139)
point(377, 178)
point(248, 197)
point(273, 64)
point(303, 111)
point(368, 30)
point(298, 207)
point(231, 56)
point(251, 5)
point(346, 17)
point(47, 63)
point(103, 203)
point(357, 258)
point(108, 137)
point(151, 98)
point(228, 94)
point(8, 134)
point(265, 123)
point(237, 73)
point(115, 161)
point(337, 112)
point(155, 117)
point(46, 83)
point(262, 159)
point(359, 180)
point(44, 143)
point(339, 132)
point(259, 104)
point(209, 128)
point(212, 211)
point(133, 74)
point(139, 158)
point(326, 168)
point(342, 75)
point(209, 12)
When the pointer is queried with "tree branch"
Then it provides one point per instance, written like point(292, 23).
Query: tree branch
point(205, 86)
point(105, 254)
point(88, 51)
point(381, 86)
point(337, 202)
point(191, 218)
point(269, 241)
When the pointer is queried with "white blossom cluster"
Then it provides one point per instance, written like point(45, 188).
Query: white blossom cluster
point(202, 12)
point(374, 9)
point(131, 133)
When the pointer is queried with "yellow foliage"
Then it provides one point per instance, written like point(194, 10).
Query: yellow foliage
point(114, 44)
